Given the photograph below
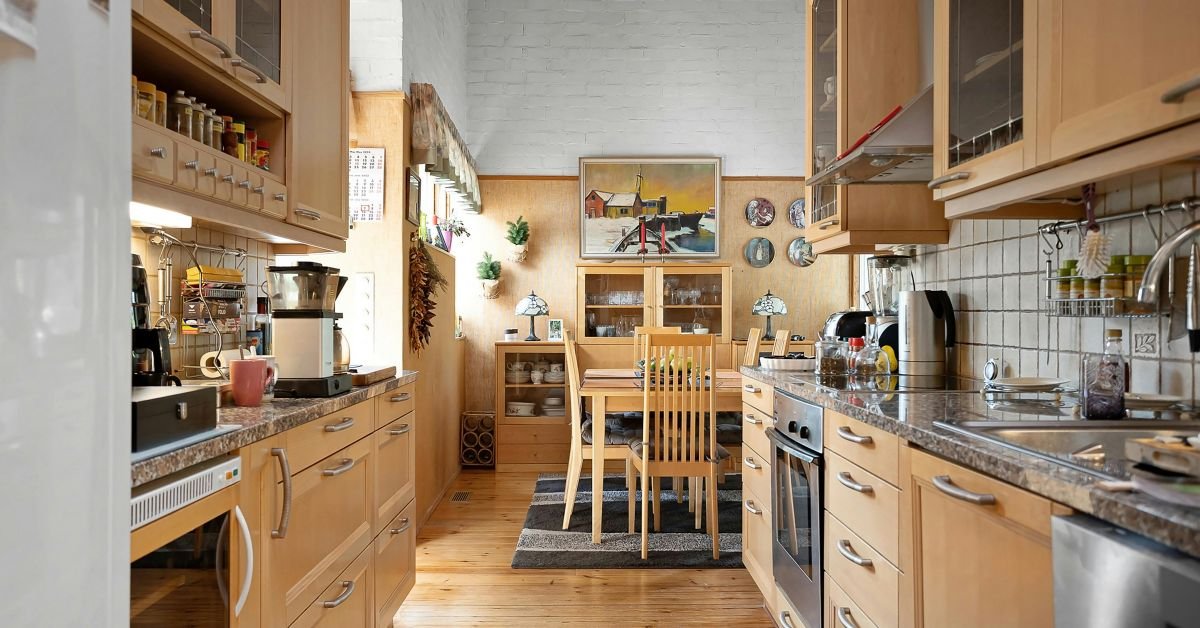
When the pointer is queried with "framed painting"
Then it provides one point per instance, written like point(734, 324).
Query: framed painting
point(648, 206)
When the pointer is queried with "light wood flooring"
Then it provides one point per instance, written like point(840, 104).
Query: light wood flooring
point(464, 578)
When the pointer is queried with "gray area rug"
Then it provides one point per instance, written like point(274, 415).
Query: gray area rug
point(545, 545)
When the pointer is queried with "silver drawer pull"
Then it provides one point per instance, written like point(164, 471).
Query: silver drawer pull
point(158, 151)
point(210, 172)
point(403, 429)
point(845, 480)
point(753, 421)
point(750, 463)
point(279, 196)
point(191, 165)
point(259, 77)
point(216, 43)
point(227, 178)
point(307, 213)
point(245, 185)
point(401, 397)
point(404, 525)
point(345, 424)
point(945, 485)
point(943, 180)
point(1177, 93)
point(831, 223)
point(257, 189)
point(752, 509)
point(849, 435)
point(752, 389)
point(285, 514)
point(347, 464)
point(843, 617)
point(337, 601)
point(785, 618)
point(843, 548)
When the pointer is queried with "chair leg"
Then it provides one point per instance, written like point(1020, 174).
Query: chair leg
point(574, 468)
point(657, 504)
point(645, 514)
point(691, 483)
point(631, 488)
point(711, 485)
point(697, 497)
point(677, 486)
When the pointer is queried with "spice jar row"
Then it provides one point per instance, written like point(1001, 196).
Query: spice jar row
point(188, 117)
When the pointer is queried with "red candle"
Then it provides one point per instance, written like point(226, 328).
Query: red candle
point(643, 226)
point(662, 238)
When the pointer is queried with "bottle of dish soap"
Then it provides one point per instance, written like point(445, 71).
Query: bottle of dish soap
point(1102, 381)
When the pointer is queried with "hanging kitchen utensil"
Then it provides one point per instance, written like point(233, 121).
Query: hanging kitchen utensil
point(1094, 251)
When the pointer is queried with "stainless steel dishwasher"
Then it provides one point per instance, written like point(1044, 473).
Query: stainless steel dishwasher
point(1108, 577)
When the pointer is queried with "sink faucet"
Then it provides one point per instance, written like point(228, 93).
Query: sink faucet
point(1148, 293)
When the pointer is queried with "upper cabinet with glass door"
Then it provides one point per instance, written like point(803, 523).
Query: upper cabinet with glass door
point(242, 40)
point(983, 105)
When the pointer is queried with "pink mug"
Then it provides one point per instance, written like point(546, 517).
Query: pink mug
point(249, 378)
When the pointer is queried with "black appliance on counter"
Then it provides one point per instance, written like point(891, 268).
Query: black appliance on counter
point(151, 346)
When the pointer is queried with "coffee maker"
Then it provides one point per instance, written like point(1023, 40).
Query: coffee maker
point(302, 314)
point(151, 346)
point(927, 331)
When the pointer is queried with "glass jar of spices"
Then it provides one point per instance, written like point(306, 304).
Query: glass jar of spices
point(199, 114)
point(239, 127)
point(1091, 288)
point(229, 139)
point(251, 145)
point(1062, 287)
point(1077, 288)
point(179, 114)
point(1112, 284)
point(1135, 268)
point(215, 129)
point(160, 108)
point(264, 154)
point(145, 109)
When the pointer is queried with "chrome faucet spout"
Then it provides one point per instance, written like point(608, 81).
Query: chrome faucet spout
point(1148, 293)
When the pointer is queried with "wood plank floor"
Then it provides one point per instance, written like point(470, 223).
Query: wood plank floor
point(464, 578)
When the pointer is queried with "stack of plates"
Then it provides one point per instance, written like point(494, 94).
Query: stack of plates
point(1147, 401)
point(1027, 384)
point(517, 377)
point(552, 377)
point(559, 411)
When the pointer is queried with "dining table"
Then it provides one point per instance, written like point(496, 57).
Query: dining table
point(620, 390)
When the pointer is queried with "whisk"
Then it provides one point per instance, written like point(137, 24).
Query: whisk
point(1094, 250)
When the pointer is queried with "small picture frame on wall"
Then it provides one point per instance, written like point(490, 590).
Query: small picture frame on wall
point(554, 330)
point(412, 209)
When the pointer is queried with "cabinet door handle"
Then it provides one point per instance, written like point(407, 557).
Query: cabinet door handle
point(248, 569)
point(403, 429)
point(347, 464)
point(401, 397)
point(845, 480)
point(307, 213)
point(210, 172)
point(1177, 93)
point(404, 525)
point(843, 548)
point(750, 508)
point(947, 486)
point(785, 618)
point(158, 151)
point(753, 421)
point(345, 424)
point(203, 36)
point(825, 225)
point(843, 617)
point(943, 180)
point(849, 435)
point(191, 165)
point(750, 463)
point(279, 196)
point(752, 389)
point(285, 515)
point(348, 585)
point(259, 77)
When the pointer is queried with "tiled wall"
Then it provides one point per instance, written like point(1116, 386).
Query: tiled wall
point(993, 268)
point(259, 255)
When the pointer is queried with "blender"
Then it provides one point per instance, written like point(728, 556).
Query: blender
point(302, 312)
point(888, 275)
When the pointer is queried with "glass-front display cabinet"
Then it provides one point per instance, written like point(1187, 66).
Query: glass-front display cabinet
point(614, 299)
point(693, 299)
point(824, 209)
point(533, 430)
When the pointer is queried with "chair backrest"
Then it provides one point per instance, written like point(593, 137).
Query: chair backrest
point(783, 337)
point(575, 407)
point(750, 358)
point(678, 397)
point(639, 338)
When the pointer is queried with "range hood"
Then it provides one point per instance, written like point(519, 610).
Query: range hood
point(898, 151)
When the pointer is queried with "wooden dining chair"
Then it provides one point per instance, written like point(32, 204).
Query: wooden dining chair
point(678, 423)
point(783, 338)
point(750, 358)
point(616, 442)
point(639, 350)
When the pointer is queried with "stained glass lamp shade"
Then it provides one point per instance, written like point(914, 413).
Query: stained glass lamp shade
point(769, 305)
point(532, 306)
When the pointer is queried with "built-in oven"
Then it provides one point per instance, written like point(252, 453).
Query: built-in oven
point(192, 555)
point(796, 496)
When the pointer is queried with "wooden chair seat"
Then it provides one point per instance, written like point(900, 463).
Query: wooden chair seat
point(639, 447)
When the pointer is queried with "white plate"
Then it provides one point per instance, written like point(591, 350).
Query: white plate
point(1150, 401)
point(1032, 384)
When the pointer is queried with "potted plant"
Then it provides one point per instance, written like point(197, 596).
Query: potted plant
point(450, 228)
point(488, 272)
point(518, 236)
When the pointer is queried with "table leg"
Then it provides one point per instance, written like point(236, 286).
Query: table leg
point(598, 408)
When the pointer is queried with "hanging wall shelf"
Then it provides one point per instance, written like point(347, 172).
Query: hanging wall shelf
point(437, 144)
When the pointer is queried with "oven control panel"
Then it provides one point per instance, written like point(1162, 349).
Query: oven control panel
point(799, 421)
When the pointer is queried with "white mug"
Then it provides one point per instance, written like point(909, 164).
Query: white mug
point(536, 377)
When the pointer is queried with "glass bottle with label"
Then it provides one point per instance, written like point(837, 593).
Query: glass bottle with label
point(1102, 381)
point(179, 117)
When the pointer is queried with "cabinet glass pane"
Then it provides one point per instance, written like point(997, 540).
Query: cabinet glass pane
point(986, 78)
point(823, 88)
point(692, 302)
point(615, 305)
point(258, 40)
point(534, 384)
point(177, 584)
point(198, 11)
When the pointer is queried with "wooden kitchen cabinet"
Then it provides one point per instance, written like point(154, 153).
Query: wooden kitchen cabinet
point(612, 299)
point(319, 135)
point(862, 61)
point(349, 601)
point(395, 485)
point(395, 564)
point(1110, 71)
point(981, 549)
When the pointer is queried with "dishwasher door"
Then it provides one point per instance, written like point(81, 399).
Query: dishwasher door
point(1107, 577)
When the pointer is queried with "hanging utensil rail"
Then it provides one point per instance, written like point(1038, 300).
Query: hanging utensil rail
point(1186, 204)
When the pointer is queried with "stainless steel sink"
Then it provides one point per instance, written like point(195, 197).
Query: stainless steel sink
point(1095, 447)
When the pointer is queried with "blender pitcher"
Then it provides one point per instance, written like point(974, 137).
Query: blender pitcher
point(887, 275)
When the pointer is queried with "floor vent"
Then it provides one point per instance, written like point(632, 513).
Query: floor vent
point(461, 497)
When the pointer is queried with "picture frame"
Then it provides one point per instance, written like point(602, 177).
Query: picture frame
point(412, 209)
point(554, 330)
point(632, 208)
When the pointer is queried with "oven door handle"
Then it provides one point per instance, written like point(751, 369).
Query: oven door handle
point(793, 450)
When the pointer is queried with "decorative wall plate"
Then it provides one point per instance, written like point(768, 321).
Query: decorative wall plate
point(759, 252)
point(760, 212)
point(800, 252)
point(796, 213)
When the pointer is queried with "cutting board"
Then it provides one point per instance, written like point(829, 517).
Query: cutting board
point(1177, 457)
point(369, 374)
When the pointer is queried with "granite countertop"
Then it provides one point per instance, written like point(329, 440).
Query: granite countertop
point(249, 425)
point(911, 416)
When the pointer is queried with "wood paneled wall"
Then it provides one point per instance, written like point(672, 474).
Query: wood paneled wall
point(551, 205)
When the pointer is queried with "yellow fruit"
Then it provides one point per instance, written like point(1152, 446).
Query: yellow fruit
point(893, 363)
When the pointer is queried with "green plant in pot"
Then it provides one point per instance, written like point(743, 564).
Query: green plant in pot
point(488, 272)
point(518, 236)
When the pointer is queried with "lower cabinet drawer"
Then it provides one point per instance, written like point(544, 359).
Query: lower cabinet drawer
point(756, 474)
point(395, 404)
point(153, 154)
point(330, 524)
point(317, 439)
point(755, 424)
point(862, 572)
point(346, 602)
point(840, 610)
point(395, 564)
point(786, 615)
point(395, 450)
point(756, 541)
point(865, 503)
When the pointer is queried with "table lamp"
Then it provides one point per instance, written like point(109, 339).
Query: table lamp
point(532, 306)
point(769, 305)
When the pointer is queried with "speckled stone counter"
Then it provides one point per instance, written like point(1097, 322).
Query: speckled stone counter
point(912, 417)
point(255, 424)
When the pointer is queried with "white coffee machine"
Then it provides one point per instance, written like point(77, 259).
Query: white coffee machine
point(302, 311)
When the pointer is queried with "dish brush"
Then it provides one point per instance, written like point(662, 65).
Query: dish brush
point(1094, 250)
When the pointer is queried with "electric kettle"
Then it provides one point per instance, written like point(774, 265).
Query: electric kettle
point(927, 330)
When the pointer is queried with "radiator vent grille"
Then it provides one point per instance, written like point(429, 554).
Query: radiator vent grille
point(167, 498)
point(461, 496)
